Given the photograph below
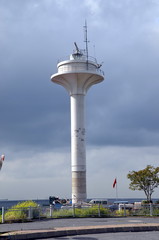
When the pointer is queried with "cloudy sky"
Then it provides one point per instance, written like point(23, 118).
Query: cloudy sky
point(122, 116)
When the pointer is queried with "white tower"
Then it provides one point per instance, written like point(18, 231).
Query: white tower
point(77, 75)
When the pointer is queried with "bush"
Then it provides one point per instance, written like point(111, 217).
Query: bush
point(94, 211)
point(20, 211)
point(146, 202)
point(82, 212)
point(122, 213)
point(155, 212)
point(62, 213)
point(144, 211)
point(86, 212)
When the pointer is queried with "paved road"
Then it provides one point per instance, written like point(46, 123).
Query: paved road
point(56, 223)
point(121, 228)
point(113, 236)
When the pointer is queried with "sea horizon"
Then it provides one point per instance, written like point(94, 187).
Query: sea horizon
point(6, 203)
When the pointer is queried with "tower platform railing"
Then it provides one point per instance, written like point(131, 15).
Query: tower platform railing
point(79, 63)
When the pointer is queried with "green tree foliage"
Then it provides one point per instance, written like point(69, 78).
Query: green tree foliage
point(144, 180)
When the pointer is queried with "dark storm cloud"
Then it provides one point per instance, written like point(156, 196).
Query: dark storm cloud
point(29, 103)
point(128, 103)
point(35, 34)
point(126, 108)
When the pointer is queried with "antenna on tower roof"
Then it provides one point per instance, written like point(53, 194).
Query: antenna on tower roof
point(86, 40)
point(78, 51)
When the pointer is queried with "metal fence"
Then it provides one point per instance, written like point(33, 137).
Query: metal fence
point(30, 213)
point(143, 210)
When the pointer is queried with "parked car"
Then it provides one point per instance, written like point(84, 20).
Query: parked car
point(96, 201)
point(115, 205)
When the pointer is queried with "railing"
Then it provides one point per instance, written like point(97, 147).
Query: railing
point(16, 214)
point(68, 68)
point(29, 213)
point(84, 57)
point(144, 210)
point(88, 63)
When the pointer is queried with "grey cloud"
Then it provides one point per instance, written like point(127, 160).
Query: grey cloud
point(122, 110)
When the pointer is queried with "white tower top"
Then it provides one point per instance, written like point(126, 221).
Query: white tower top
point(78, 73)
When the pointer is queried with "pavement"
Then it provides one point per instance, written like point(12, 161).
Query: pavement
point(52, 228)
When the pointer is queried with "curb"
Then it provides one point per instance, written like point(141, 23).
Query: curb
point(61, 232)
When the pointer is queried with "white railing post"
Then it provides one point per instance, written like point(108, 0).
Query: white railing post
point(124, 210)
point(3, 215)
point(73, 210)
point(151, 209)
point(51, 210)
point(30, 213)
point(99, 210)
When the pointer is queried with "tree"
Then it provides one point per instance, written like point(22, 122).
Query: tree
point(144, 180)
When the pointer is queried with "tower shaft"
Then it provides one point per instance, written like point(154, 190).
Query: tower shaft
point(78, 151)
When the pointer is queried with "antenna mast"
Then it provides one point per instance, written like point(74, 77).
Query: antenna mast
point(86, 41)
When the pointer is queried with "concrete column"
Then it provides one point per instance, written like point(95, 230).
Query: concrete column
point(78, 150)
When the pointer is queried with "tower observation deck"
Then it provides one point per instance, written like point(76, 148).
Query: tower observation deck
point(78, 66)
point(77, 75)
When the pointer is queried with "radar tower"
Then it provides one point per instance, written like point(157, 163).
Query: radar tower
point(77, 75)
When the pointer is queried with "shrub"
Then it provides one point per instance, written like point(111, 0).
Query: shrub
point(146, 210)
point(122, 213)
point(82, 212)
point(145, 202)
point(143, 211)
point(20, 211)
point(94, 211)
point(62, 213)
point(155, 212)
